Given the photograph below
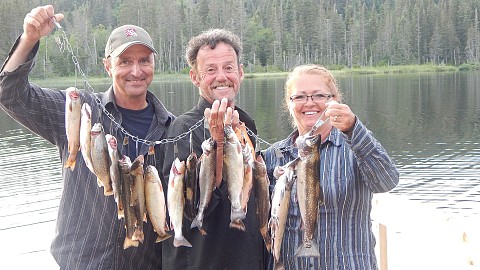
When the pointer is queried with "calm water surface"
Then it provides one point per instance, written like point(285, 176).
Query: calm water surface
point(429, 124)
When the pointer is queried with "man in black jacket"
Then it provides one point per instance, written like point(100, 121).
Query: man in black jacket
point(214, 59)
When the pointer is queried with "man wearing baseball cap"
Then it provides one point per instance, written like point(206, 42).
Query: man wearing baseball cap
point(89, 234)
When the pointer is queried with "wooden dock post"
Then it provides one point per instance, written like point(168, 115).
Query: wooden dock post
point(382, 233)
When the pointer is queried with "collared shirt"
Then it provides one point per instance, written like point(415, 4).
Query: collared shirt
point(222, 247)
point(351, 170)
point(88, 233)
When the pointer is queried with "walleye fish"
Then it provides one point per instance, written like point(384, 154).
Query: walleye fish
point(233, 171)
point(191, 186)
point(73, 107)
point(176, 202)
point(101, 159)
point(309, 193)
point(85, 136)
point(124, 165)
point(206, 178)
point(138, 196)
point(155, 203)
point(114, 172)
point(280, 203)
point(261, 185)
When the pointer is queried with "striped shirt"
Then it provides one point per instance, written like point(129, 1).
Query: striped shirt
point(88, 233)
point(351, 170)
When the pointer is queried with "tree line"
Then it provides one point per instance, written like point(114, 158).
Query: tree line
point(276, 34)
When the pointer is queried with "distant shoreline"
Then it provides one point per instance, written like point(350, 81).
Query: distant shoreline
point(337, 71)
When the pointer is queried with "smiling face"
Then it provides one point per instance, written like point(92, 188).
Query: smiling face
point(307, 113)
point(131, 72)
point(217, 73)
point(308, 80)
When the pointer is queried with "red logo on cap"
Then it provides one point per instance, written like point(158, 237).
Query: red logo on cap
point(130, 32)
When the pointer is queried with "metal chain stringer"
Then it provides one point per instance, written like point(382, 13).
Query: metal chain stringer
point(63, 44)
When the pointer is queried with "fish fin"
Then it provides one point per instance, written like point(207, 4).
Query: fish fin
point(268, 242)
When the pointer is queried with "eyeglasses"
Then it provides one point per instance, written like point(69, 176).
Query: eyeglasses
point(315, 98)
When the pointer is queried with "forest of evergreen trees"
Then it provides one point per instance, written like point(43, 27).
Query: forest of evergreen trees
point(276, 34)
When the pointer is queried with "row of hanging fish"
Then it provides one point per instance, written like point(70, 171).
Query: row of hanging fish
point(192, 182)
point(137, 191)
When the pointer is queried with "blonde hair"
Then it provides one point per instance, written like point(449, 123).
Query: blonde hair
point(321, 71)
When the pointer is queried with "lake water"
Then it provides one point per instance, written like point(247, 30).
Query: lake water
point(429, 124)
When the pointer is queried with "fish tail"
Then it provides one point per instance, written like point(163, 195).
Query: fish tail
point(237, 224)
point(138, 235)
point(181, 241)
point(70, 163)
point(278, 265)
point(198, 223)
point(129, 243)
point(307, 250)
point(162, 237)
point(107, 191)
point(238, 214)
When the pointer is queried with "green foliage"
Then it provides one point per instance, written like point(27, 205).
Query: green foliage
point(277, 35)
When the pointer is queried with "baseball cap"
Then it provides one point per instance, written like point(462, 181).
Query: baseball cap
point(125, 36)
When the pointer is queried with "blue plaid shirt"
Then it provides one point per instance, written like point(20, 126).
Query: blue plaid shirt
point(351, 170)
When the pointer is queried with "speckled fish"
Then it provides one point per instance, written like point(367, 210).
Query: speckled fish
point(191, 186)
point(73, 107)
point(155, 203)
point(85, 136)
point(138, 196)
point(124, 165)
point(114, 172)
point(309, 193)
point(101, 159)
point(261, 185)
point(247, 176)
point(279, 210)
point(233, 171)
point(176, 202)
point(206, 179)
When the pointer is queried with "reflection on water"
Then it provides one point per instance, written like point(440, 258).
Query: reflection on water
point(31, 180)
point(430, 125)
